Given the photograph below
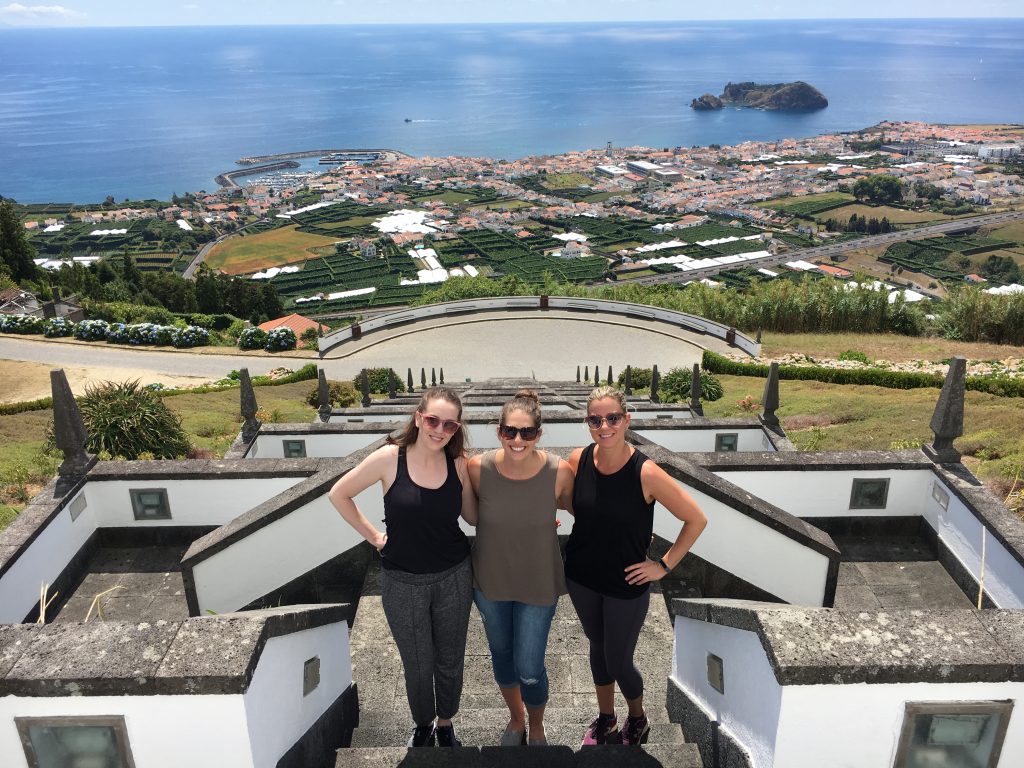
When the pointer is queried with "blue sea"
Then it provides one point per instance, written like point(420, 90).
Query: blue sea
point(86, 113)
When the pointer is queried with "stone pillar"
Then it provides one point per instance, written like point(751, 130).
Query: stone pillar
point(627, 381)
point(577, 374)
point(323, 397)
point(392, 384)
point(409, 380)
point(655, 382)
point(770, 399)
point(609, 375)
point(948, 420)
point(433, 377)
point(69, 432)
point(250, 424)
point(440, 375)
point(364, 386)
point(543, 302)
point(696, 391)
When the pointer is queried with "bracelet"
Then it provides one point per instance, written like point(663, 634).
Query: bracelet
point(663, 564)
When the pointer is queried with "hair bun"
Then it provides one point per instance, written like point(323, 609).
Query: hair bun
point(527, 394)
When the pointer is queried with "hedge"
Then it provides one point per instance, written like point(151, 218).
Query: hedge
point(1003, 386)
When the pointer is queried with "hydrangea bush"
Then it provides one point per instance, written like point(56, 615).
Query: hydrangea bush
point(252, 338)
point(117, 333)
point(92, 330)
point(192, 336)
point(21, 324)
point(280, 339)
point(58, 326)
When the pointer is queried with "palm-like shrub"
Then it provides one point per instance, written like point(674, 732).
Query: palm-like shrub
point(378, 380)
point(342, 393)
point(675, 386)
point(125, 420)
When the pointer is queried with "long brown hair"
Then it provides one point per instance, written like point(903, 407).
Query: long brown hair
point(525, 400)
point(455, 447)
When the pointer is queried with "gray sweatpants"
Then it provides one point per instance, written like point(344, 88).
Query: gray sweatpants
point(429, 615)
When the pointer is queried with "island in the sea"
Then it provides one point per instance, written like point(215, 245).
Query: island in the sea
point(795, 96)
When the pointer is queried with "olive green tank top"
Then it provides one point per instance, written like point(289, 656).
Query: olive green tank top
point(516, 554)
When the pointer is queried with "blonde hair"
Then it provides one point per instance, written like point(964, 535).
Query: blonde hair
point(525, 400)
point(600, 393)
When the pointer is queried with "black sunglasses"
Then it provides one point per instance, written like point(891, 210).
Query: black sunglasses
point(613, 419)
point(509, 433)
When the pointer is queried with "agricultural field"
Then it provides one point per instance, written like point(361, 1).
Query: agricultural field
point(808, 205)
point(149, 241)
point(284, 245)
point(944, 258)
point(565, 180)
point(894, 215)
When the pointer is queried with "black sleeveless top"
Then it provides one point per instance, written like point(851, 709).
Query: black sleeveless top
point(423, 523)
point(612, 527)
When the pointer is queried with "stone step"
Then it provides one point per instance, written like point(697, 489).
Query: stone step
point(648, 756)
point(561, 734)
point(496, 716)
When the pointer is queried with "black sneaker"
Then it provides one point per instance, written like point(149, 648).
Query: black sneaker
point(422, 736)
point(636, 730)
point(446, 736)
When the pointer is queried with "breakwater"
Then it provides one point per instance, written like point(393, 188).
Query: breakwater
point(314, 153)
point(227, 179)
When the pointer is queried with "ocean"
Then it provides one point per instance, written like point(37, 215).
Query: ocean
point(144, 112)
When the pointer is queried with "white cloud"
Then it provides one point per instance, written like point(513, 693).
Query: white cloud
point(17, 12)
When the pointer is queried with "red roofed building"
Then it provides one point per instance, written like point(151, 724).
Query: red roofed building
point(828, 269)
point(297, 323)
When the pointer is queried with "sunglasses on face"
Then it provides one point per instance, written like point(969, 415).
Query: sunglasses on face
point(448, 426)
point(509, 433)
point(613, 419)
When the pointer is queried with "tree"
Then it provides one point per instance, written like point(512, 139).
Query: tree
point(16, 252)
point(272, 305)
point(881, 188)
point(130, 271)
point(1000, 269)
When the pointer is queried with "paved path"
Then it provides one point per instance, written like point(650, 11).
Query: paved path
point(548, 348)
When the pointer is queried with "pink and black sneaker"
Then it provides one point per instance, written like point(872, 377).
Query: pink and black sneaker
point(605, 727)
point(636, 730)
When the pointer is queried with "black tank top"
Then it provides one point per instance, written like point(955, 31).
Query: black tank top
point(612, 527)
point(423, 523)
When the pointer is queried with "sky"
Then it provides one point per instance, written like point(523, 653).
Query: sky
point(136, 13)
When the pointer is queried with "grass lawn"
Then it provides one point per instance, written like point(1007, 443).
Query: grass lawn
point(566, 180)
point(355, 223)
point(451, 197)
point(784, 203)
point(599, 197)
point(504, 205)
point(241, 255)
point(1013, 233)
point(881, 347)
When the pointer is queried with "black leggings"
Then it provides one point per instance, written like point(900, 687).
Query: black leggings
point(612, 625)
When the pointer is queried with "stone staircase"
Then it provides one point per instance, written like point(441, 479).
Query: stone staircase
point(384, 720)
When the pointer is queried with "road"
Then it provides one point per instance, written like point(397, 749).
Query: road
point(833, 249)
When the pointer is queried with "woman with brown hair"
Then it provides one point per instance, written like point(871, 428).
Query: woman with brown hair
point(427, 588)
point(517, 563)
point(607, 569)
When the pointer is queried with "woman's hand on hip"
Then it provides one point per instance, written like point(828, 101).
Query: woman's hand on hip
point(642, 573)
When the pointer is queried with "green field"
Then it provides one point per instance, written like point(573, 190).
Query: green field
point(808, 205)
point(894, 215)
point(285, 245)
point(565, 180)
point(451, 197)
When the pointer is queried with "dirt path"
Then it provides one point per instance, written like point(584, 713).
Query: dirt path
point(21, 381)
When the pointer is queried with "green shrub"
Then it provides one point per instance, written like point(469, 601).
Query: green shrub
point(378, 380)
point(641, 378)
point(855, 356)
point(675, 386)
point(343, 394)
point(252, 338)
point(125, 419)
point(280, 340)
point(122, 312)
point(23, 324)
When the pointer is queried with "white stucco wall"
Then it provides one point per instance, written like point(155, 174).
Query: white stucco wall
point(824, 493)
point(753, 551)
point(752, 702)
point(703, 440)
point(279, 552)
point(271, 446)
point(810, 726)
point(277, 712)
point(254, 729)
point(962, 531)
point(192, 502)
point(163, 731)
point(43, 561)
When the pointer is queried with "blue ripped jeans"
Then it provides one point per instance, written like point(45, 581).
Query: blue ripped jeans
point(517, 634)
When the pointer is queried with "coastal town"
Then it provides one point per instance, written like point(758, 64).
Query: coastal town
point(369, 228)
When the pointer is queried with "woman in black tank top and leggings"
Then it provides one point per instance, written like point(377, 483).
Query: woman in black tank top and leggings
point(428, 582)
point(607, 570)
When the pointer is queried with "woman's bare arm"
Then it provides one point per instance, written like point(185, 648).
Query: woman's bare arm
point(378, 467)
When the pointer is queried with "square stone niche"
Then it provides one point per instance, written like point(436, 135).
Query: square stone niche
point(150, 503)
point(57, 742)
point(294, 449)
point(727, 442)
point(869, 493)
point(953, 733)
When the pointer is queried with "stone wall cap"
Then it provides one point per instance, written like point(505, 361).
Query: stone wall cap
point(825, 646)
point(204, 655)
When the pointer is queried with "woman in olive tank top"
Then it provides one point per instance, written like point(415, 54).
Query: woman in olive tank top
point(517, 564)
point(607, 570)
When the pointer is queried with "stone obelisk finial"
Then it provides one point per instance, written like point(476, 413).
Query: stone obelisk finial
point(695, 391)
point(69, 430)
point(948, 420)
point(770, 398)
point(250, 424)
point(323, 396)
